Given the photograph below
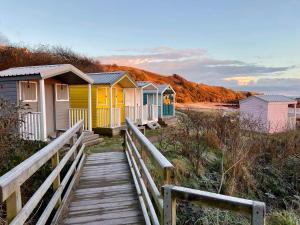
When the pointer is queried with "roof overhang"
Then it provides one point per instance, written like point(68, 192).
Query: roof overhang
point(149, 86)
point(67, 73)
point(168, 87)
point(125, 81)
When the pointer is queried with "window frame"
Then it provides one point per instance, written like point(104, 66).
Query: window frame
point(68, 94)
point(20, 90)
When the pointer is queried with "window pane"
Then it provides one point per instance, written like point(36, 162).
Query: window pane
point(28, 91)
point(62, 92)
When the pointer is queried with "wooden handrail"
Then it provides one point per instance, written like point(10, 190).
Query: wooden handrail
point(146, 186)
point(164, 204)
point(148, 146)
point(10, 183)
point(254, 209)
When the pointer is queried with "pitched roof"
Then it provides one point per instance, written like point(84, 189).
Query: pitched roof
point(106, 77)
point(272, 98)
point(145, 84)
point(44, 71)
point(160, 88)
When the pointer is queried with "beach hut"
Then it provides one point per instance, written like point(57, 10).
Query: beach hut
point(111, 92)
point(45, 92)
point(148, 111)
point(166, 100)
point(271, 113)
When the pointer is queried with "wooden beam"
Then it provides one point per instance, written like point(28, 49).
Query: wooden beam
point(89, 107)
point(43, 110)
point(13, 205)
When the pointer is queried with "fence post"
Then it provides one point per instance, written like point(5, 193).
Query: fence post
point(56, 182)
point(169, 210)
point(258, 213)
point(13, 204)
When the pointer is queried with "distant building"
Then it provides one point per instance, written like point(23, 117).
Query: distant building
point(273, 113)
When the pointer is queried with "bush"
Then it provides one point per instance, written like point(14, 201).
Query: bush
point(283, 218)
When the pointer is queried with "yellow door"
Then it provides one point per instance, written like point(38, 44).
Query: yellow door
point(102, 111)
point(119, 102)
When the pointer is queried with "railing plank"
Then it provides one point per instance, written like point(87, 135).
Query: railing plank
point(162, 161)
point(37, 196)
point(153, 188)
point(10, 181)
point(57, 195)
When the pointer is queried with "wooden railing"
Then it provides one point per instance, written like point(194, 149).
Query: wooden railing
point(103, 117)
point(159, 207)
point(11, 182)
point(254, 209)
point(142, 177)
point(30, 128)
point(77, 114)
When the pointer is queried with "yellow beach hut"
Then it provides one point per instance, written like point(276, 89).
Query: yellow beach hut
point(108, 100)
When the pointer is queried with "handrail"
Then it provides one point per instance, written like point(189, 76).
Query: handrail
point(142, 176)
point(165, 202)
point(148, 146)
point(10, 183)
point(255, 209)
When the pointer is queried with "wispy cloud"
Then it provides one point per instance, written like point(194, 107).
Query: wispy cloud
point(195, 64)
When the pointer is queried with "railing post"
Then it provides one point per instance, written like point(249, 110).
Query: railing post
point(258, 213)
point(56, 183)
point(13, 204)
point(169, 217)
point(168, 175)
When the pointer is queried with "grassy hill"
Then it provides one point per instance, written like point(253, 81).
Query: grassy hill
point(187, 91)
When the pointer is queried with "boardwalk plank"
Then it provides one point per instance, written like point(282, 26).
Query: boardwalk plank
point(105, 193)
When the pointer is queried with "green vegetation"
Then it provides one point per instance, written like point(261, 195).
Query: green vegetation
point(211, 152)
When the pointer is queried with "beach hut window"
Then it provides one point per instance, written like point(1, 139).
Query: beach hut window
point(28, 91)
point(62, 92)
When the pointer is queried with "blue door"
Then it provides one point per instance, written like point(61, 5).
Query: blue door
point(145, 102)
point(168, 109)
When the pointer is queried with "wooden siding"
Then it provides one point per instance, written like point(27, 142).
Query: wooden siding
point(277, 117)
point(8, 90)
point(79, 99)
point(256, 110)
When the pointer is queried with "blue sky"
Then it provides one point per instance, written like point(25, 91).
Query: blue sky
point(249, 44)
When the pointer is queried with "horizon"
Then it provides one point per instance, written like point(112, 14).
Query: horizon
point(249, 45)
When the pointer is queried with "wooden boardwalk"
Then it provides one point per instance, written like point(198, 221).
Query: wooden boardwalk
point(105, 194)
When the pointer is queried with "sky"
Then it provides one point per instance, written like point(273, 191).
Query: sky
point(245, 45)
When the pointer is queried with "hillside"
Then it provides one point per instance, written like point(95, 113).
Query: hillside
point(187, 91)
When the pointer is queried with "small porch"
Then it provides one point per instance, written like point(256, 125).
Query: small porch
point(46, 97)
point(148, 110)
point(166, 107)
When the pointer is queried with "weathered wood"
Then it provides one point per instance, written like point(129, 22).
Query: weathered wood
point(105, 194)
point(254, 209)
point(14, 204)
point(151, 184)
point(144, 190)
point(12, 180)
point(38, 195)
point(57, 195)
point(148, 146)
point(143, 206)
point(56, 183)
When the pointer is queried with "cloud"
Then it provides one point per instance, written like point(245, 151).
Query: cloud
point(3, 39)
point(195, 64)
point(198, 66)
point(242, 81)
